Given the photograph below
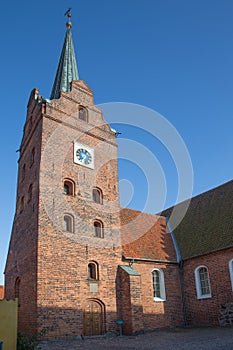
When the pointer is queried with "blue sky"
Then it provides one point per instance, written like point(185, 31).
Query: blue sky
point(175, 57)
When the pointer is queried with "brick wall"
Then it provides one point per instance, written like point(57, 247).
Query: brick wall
point(206, 311)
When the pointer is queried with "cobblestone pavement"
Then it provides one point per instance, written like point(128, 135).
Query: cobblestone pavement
point(215, 338)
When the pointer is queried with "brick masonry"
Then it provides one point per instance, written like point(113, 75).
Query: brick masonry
point(47, 268)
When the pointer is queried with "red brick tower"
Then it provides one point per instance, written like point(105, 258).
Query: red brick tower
point(65, 243)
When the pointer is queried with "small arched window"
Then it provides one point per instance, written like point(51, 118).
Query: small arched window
point(99, 229)
point(69, 187)
point(93, 271)
point(202, 282)
point(231, 272)
point(82, 114)
point(158, 285)
point(23, 172)
point(32, 156)
point(97, 195)
point(21, 204)
point(68, 223)
point(17, 289)
point(30, 193)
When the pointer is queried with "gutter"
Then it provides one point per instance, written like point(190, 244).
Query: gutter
point(149, 260)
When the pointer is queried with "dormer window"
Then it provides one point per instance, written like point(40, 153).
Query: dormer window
point(82, 114)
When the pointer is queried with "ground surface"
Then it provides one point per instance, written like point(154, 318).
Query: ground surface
point(215, 338)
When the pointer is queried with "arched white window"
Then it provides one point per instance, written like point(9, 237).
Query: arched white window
point(202, 282)
point(158, 285)
point(68, 223)
point(231, 272)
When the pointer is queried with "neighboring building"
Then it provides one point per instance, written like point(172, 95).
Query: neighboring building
point(1, 292)
point(77, 262)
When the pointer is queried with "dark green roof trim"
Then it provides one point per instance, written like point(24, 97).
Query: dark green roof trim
point(67, 70)
point(129, 270)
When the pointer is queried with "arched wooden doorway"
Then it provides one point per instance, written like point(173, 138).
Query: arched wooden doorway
point(93, 317)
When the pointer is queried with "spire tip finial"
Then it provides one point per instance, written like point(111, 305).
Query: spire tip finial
point(68, 14)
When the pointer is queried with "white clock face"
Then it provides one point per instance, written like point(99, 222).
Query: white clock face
point(83, 155)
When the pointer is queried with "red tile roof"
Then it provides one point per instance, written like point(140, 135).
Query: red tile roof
point(144, 236)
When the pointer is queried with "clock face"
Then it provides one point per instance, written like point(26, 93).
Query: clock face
point(84, 156)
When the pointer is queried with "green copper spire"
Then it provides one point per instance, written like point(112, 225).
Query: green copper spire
point(67, 70)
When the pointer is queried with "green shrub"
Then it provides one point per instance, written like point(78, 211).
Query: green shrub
point(25, 342)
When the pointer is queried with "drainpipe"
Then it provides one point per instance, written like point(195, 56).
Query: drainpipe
point(181, 271)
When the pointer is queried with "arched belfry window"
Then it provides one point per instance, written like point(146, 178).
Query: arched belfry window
point(97, 195)
point(99, 229)
point(93, 270)
point(158, 285)
point(68, 223)
point(83, 114)
point(69, 187)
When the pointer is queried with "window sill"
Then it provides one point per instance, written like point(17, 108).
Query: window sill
point(159, 299)
point(207, 296)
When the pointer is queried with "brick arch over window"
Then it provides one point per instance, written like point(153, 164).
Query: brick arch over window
point(69, 187)
point(97, 195)
point(83, 113)
point(68, 223)
point(202, 282)
point(99, 229)
point(158, 285)
point(93, 270)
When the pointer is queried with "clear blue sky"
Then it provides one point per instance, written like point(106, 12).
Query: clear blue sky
point(173, 56)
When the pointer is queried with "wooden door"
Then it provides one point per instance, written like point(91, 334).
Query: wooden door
point(93, 318)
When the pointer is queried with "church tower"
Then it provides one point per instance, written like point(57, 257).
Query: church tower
point(65, 243)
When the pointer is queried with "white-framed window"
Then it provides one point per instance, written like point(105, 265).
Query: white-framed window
point(231, 272)
point(158, 285)
point(202, 282)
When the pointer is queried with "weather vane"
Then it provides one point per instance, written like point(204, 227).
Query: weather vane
point(68, 14)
